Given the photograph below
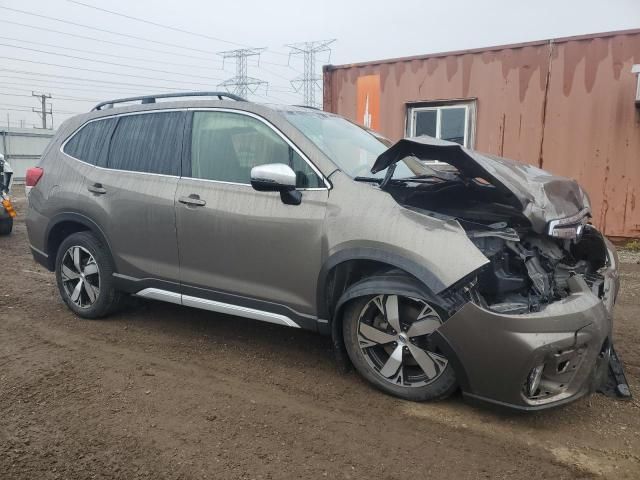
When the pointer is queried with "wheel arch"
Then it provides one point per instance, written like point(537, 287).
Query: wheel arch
point(65, 224)
point(392, 280)
point(349, 265)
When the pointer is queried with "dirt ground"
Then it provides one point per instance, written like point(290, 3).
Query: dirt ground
point(161, 391)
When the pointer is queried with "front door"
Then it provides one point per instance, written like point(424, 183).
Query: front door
point(239, 246)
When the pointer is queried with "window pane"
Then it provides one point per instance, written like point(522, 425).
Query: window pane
point(352, 148)
point(150, 142)
point(452, 124)
point(226, 146)
point(89, 144)
point(425, 123)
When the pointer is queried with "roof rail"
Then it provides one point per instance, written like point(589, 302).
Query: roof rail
point(152, 98)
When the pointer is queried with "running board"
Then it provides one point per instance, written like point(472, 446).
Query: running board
point(214, 306)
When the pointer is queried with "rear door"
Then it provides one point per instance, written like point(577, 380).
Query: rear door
point(237, 245)
point(130, 194)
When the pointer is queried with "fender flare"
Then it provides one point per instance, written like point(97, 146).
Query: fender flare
point(395, 260)
point(394, 282)
point(92, 226)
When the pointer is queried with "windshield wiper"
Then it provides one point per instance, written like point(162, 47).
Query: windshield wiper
point(368, 179)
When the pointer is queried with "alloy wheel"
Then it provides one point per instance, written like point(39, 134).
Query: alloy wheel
point(393, 334)
point(80, 276)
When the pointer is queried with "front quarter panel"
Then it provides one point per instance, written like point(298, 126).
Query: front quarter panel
point(362, 218)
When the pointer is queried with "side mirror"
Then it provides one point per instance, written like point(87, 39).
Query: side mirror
point(276, 177)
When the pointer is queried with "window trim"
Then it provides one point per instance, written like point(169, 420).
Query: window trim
point(470, 117)
point(286, 139)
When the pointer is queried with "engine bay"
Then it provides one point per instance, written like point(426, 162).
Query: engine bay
point(527, 270)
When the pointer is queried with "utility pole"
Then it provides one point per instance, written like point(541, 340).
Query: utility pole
point(242, 84)
point(310, 81)
point(42, 111)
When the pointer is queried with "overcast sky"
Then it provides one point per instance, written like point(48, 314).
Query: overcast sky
point(161, 59)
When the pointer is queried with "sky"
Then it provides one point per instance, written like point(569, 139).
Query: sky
point(81, 54)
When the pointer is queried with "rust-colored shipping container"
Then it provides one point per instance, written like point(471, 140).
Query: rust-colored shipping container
point(566, 105)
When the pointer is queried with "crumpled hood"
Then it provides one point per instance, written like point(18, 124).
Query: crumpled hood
point(541, 196)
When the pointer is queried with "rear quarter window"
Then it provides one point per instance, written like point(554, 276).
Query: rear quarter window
point(90, 143)
point(149, 143)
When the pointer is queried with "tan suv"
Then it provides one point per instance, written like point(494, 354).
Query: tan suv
point(473, 272)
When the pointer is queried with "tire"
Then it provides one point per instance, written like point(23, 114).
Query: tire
point(97, 296)
point(375, 356)
point(6, 226)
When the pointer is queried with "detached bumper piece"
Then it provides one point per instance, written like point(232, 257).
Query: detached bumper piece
point(615, 385)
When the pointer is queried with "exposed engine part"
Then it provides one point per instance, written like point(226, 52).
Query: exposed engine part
point(533, 270)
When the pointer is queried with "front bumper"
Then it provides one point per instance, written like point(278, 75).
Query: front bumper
point(570, 338)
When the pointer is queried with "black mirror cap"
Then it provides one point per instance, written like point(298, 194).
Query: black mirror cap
point(266, 185)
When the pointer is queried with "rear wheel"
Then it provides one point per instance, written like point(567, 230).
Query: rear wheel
point(388, 338)
point(84, 274)
point(6, 226)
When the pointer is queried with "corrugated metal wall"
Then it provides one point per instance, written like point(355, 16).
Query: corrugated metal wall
point(566, 105)
point(22, 147)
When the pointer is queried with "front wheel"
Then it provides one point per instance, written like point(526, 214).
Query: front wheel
point(388, 340)
point(84, 274)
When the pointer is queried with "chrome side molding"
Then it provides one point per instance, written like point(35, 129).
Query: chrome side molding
point(214, 306)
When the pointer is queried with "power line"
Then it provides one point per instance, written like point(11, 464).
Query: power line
point(58, 97)
point(169, 27)
point(93, 52)
point(108, 63)
point(100, 40)
point(109, 85)
point(309, 81)
point(30, 109)
point(98, 29)
point(103, 71)
point(75, 87)
point(149, 22)
point(136, 86)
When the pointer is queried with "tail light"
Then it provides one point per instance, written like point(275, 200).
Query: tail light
point(33, 176)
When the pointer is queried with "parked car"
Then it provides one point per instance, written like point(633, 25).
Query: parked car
point(7, 212)
point(484, 276)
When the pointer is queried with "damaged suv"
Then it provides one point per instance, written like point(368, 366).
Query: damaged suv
point(432, 266)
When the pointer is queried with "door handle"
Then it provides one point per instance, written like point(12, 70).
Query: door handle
point(96, 188)
point(193, 200)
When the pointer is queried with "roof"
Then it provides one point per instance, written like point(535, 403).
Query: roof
point(486, 49)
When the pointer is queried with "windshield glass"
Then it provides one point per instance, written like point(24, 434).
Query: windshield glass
point(353, 149)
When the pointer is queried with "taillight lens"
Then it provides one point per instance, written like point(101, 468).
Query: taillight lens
point(34, 174)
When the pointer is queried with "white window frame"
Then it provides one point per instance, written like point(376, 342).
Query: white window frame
point(469, 118)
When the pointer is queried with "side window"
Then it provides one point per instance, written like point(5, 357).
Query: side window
point(453, 121)
point(90, 143)
point(226, 146)
point(150, 142)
